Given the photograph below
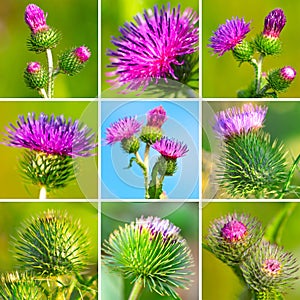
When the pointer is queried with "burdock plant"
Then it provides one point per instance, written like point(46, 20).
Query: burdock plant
point(51, 144)
point(231, 36)
point(43, 39)
point(251, 165)
point(152, 254)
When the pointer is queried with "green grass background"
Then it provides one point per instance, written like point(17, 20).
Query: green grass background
point(77, 21)
point(222, 77)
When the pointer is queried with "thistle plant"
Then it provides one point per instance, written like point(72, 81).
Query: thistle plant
point(131, 132)
point(160, 44)
point(52, 251)
point(51, 145)
point(231, 36)
point(43, 39)
point(152, 254)
point(251, 165)
point(265, 269)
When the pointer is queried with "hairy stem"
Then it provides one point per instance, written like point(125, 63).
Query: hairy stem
point(140, 162)
point(259, 69)
point(136, 290)
point(43, 93)
point(146, 162)
point(50, 72)
point(43, 193)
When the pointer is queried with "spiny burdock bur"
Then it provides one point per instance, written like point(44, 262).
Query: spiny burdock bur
point(150, 252)
point(52, 244)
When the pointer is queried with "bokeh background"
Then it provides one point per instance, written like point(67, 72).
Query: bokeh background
point(182, 124)
point(77, 21)
point(183, 215)
point(113, 18)
point(14, 214)
point(218, 280)
point(222, 77)
point(12, 185)
point(282, 122)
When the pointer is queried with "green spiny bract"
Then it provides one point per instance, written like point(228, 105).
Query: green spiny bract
point(150, 134)
point(266, 45)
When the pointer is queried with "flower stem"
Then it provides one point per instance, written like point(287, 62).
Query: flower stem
point(43, 93)
point(50, 71)
point(289, 178)
point(259, 69)
point(140, 162)
point(146, 163)
point(43, 193)
point(136, 290)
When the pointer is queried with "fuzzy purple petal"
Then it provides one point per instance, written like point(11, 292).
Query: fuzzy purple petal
point(35, 18)
point(156, 117)
point(170, 148)
point(274, 23)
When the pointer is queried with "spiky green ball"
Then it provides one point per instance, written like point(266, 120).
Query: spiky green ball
point(166, 166)
point(130, 145)
point(43, 40)
point(161, 263)
point(52, 244)
point(36, 80)
point(49, 170)
point(251, 166)
point(243, 51)
point(277, 81)
point(267, 45)
point(150, 134)
point(69, 63)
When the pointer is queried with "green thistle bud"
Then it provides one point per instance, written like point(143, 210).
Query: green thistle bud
point(52, 244)
point(281, 79)
point(252, 166)
point(269, 271)
point(35, 76)
point(19, 286)
point(166, 166)
point(152, 252)
point(243, 51)
point(43, 40)
point(50, 170)
point(150, 134)
point(267, 45)
point(130, 145)
point(72, 61)
point(232, 237)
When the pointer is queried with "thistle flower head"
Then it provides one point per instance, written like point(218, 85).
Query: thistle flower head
point(122, 129)
point(274, 23)
point(156, 117)
point(237, 121)
point(33, 67)
point(51, 135)
point(229, 35)
point(35, 18)
point(170, 148)
point(152, 251)
point(269, 269)
point(82, 53)
point(288, 73)
point(281, 79)
point(233, 236)
point(152, 46)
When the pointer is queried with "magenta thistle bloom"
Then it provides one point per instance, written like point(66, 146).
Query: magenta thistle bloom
point(82, 53)
point(35, 18)
point(288, 73)
point(150, 47)
point(122, 129)
point(170, 148)
point(33, 67)
point(274, 23)
point(234, 231)
point(236, 121)
point(157, 226)
point(156, 117)
point(228, 35)
point(51, 135)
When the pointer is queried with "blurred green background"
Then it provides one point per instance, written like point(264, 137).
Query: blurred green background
point(112, 19)
point(218, 281)
point(222, 77)
point(14, 214)
point(183, 215)
point(77, 21)
point(282, 122)
point(12, 185)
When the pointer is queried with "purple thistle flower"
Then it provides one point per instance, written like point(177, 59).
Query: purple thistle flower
point(35, 18)
point(33, 67)
point(234, 231)
point(236, 121)
point(156, 117)
point(122, 129)
point(274, 23)
point(51, 135)
point(158, 226)
point(82, 53)
point(151, 47)
point(170, 148)
point(228, 35)
point(288, 73)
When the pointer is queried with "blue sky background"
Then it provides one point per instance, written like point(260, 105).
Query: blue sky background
point(182, 124)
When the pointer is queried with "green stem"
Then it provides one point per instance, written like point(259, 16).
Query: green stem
point(43, 93)
point(259, 69)
point(136, 290)
point(289, 178)
point(140, 162)
point(50, 72)
point(43, 193)
point(146, 163)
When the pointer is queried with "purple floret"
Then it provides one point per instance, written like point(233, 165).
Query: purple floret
point(51, 135)
point(35, 18)
point(156, 117)
point(170, 148)
point(274, 23)
point(228, 35)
